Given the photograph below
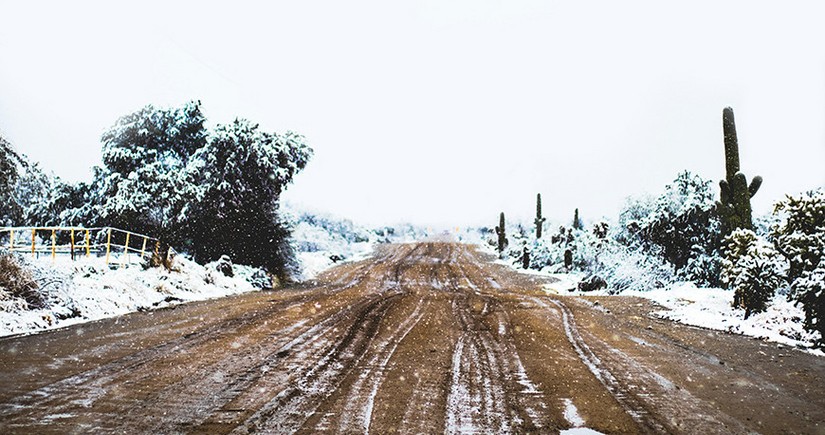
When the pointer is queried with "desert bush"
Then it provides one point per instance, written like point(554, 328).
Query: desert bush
point(753, 269)
point(18, 282)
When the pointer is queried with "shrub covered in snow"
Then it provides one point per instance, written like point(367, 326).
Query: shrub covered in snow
point(752, 269)
point(17, 283)
point(800, 238)
point(681, 226)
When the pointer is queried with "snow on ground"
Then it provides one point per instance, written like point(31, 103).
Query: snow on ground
point(711, 308)
point(703, 307)
point(86, 290)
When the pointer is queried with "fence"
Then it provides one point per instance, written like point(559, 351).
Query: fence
point(114, 243)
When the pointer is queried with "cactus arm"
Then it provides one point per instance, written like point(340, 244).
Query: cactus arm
point(755, 184)
point(724, 192)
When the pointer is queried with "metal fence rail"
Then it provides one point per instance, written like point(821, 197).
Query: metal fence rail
point(116, 244)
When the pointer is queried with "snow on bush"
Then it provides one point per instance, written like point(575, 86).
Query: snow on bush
point(752, 269)
point(800, 238)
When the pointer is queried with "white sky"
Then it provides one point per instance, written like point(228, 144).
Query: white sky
point(440, 112)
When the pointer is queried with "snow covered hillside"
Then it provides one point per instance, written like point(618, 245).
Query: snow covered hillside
point(67, 292)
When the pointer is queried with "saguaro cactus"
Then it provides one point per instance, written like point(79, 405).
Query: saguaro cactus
point(525, 258)
point(577, 223)
point(735, 196)
point(539, 220)
point(502, 236)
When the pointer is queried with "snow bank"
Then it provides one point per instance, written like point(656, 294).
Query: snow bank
point(711, 308)
point(704, 307)
point(86, 290)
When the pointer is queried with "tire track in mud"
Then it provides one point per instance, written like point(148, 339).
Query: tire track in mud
point(487, 373)
point(632, 404)
point(310, 345)
point(360, 399)
point(289, 409)
point(83, 389)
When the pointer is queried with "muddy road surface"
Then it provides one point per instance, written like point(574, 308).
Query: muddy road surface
point(421, 338)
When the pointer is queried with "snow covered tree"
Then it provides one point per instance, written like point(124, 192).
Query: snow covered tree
point(753, 269)
point(10, 210)
point(206, 193)
point(681, 226)
point(143, 185)
point(238, 177)
point(801, 240)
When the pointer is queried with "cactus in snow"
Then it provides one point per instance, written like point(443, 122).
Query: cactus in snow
point(525, 258)
point(539, 219)
point(502, 236)
point(734, 206)
point(577, 222)
point(568, 259)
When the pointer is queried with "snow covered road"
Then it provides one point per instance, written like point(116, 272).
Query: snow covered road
point(421, 338)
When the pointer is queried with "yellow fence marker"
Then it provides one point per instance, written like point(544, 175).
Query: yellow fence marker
point(108, 246)
point(34, 231)
point(11, 240)
point(87, 244)
point(54, 244)
point(125, 251)
point(143, 248)
point(72, 253)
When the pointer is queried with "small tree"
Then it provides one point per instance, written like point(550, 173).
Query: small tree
point(753, 269)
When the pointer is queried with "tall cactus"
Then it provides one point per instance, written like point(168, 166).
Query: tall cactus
point(539, 220)
point(735, 196)
point(577, 222)
point(502, 236)
point(525, 258)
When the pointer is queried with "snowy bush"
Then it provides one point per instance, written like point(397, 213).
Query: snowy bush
point(800, 238)
point(681, 226)
point(752, 269)
point(17, 282)
point(809, 290)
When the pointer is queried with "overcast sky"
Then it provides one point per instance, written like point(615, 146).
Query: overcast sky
point(440, 112)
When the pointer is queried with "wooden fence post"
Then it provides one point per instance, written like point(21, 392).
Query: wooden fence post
point(54, 243)
point(108, 246)
point(87, 244)
point(143, 248)
point(34, 231)
point(11, 240)
point(72, 254)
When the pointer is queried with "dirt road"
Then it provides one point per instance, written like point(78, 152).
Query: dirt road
point(422, 338)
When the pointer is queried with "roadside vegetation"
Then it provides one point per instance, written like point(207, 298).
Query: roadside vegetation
point(684, 235)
